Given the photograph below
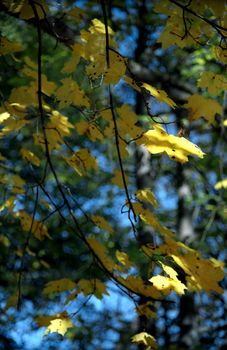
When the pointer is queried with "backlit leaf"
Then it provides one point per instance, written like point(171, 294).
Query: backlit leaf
point(146, 339)
point(59, 325)
point(177, 148)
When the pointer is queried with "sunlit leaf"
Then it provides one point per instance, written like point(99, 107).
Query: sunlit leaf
point(177, 148)
point(59, 325)
point(146, 339)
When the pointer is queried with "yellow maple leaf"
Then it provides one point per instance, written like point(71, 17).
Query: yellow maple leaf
point(70, 93)
point(194, 266)
point(220, 54)
point(8, 204)
point(4, 240)
point(101, 251)
point(214, 83)
point(59, 325)
point(82, 161)
point(77, 53)
point(146, 310)
point(7, 46)
point(166, 285)
point(26, 12)
point(37, 228)
point(117, 179)
point(76, 13)
point(196, 269)
point(147, 216)
point(4, 116)
point(127, 122)
point(116, 70)
point(101, 223)
point(221, 184)
point(59, 286)
point(145, 339)
point(93, 286)
point(30, 156)
point(160, 95)
point(200, 106)
point(18, 184)
point(177, 148)
point(11, 124)
point(123, 258)
point(146, 195)
point(98, 27)
point(132, 83)
point(89, 129)
point(138, 286)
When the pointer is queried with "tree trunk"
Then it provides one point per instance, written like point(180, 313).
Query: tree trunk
point(187, 320)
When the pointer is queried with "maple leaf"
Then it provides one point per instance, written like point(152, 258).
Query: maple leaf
point(30, 156)
point(101, 251)
point(146, 310)
point(7, 46)
point(59, 325)
point(26, 12)
point(58, 286)
point(28, 223)
point(146, 195)
point(117, 179)
point(76, 13)
point(8, 204)
point(101, 223)
point(221, 184)
point(93, 286)
point(214, 83)
point(177, 148)
point(194, 266)
point(145, 339)
point(160, 95)
point(123, 258)
point(70, 93)
point(89, 129)
point(82, 161)
point(200, 106)
point(147, 216)
point(168, 284)
point(138, 286)
point(77, 53)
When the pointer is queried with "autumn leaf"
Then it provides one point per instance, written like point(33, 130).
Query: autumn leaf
point(6, 46)
point(59, 286)
point(146, 339)
point(38, 229)
point(168, 284)
point(221, 184)
point(215, 83)
point(177, 148)
point(82, 161)
point(101, 251)
point(118, 180)
point(70, 93)
point(200, 106)
point(93, 286)
point(59, 325)
point(30, 156)
point(123, 258)
point(102, 223)
point(147, 196)
point(160, 95)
